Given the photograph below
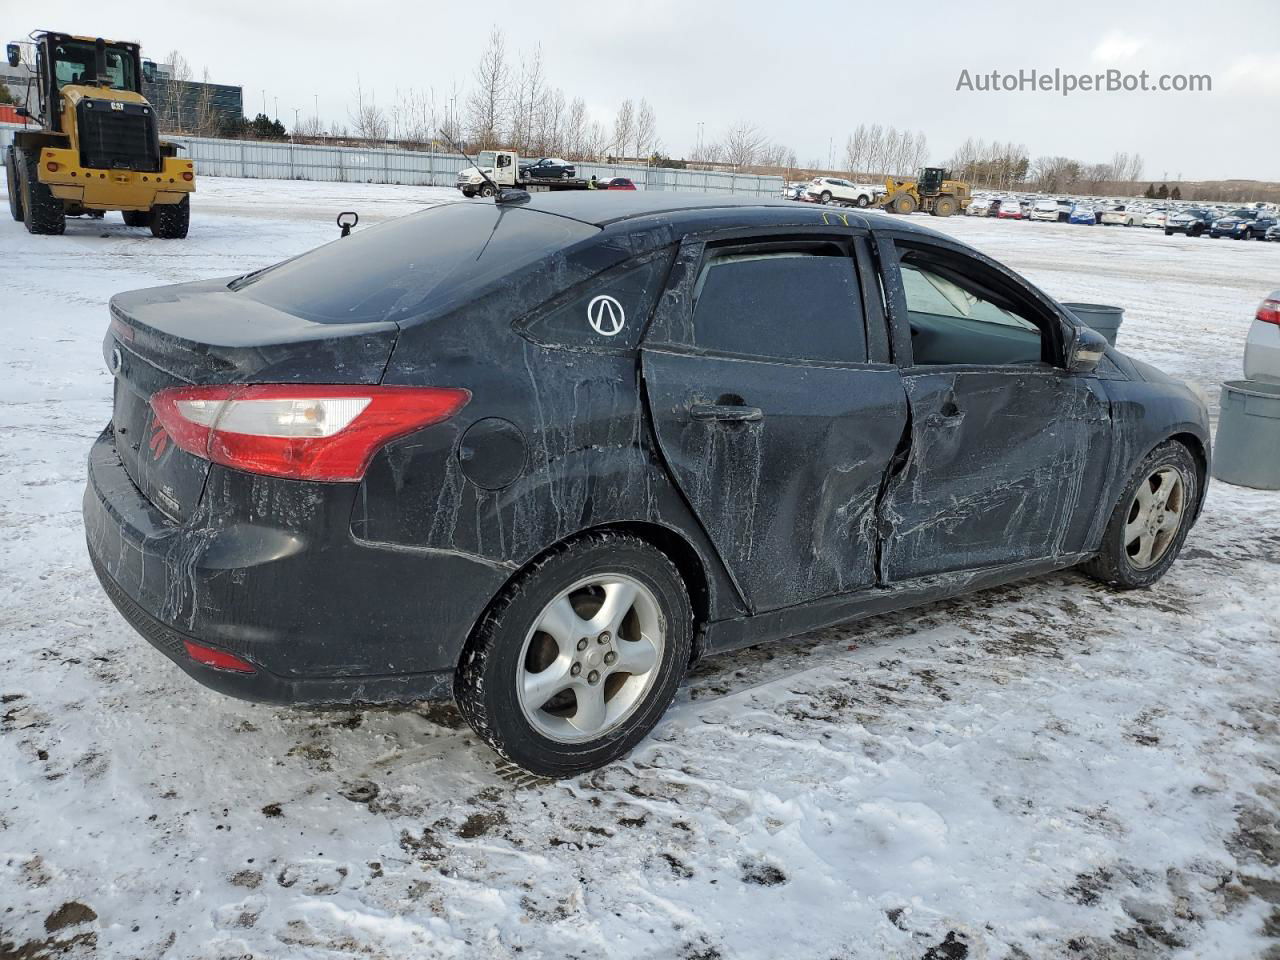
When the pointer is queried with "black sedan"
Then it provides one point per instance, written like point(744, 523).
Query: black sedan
point(1194, 222)
point(548, 168)
point(540, 456)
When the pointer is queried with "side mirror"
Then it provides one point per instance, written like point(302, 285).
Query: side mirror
point(1085, 347)
point(14, 53)
point(347, 220)
point(149, 71)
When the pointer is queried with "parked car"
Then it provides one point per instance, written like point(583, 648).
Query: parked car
point(1193, 222)
point(978, 208)
point(1009, 210)
point(382, 488)
point(1045, 210)
point(835, 190)
point(619, 183)
point(1064, 209)
point(548, 168)
point(1155, 218)
point(1273, 232)
point(1083, 213)
point(795, 191)
point(1243, 224)
point(1262, 348)
point(1121, 216)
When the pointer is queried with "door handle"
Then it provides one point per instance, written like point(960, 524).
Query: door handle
point(726, 413)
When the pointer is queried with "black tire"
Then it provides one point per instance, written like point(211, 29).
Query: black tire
point(564, 174)
point(1168, 232)
point(11, 181)
point(485, 687)
point(136, 218)
point(863, 201)
point(1113, 565)
point(826, 196)
point(42, 212)
point(1247, 235)
point(487, 190)
point(944, 207)
point(169, 221)
point(904, 205)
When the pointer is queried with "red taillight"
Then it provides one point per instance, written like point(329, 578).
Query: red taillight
point(51, 166)
point(188, 175)
point(217, 658)
point(299, 431)
point(1269, 311)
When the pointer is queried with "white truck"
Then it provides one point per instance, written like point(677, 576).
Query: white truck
point(504, 169)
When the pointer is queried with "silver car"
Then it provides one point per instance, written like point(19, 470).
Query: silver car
point(1262, 347)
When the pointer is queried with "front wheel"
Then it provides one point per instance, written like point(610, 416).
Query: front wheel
point(826, 196)
point(136, 218)
point(1168, 232)
point(564, 175)
point(904, 205)
point(863, 200)
point(487, 190)
point(579, 656)
point(42, 212)
point(1150, 523)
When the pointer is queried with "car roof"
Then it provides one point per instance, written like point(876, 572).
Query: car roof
point(690, 212)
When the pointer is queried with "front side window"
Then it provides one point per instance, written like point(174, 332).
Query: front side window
point(786, 304)
point(958, 317)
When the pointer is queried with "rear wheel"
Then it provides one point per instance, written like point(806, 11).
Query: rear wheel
point(1168, 232)
point(136, 218)
point(42, 212)
point(1151, 521)
point(863, 201)
point(904, 205)
point(11, 182)
point(579, 656)
point(826, 196)
point(169, 221)
point(944, 207)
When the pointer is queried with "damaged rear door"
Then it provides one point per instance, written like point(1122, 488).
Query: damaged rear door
point(776, 409)
point(1008, 452)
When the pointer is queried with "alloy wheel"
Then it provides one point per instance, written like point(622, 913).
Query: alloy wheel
point(1155, 515)
point(591, 658)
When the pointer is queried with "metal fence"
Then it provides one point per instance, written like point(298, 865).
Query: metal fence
point(255, 159)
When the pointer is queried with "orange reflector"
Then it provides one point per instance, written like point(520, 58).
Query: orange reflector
point(188, 176)
point(51, 167)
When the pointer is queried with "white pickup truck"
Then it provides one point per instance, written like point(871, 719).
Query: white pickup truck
point(835, 190)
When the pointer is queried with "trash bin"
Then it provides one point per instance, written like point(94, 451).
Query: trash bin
point(1105, 319)
point(1246, 450)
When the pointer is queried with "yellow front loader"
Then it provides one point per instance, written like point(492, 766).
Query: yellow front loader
point(934, 192)
point(95, 144)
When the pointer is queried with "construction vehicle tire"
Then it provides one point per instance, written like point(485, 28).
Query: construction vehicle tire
point(904, 204)
point(11, 180)
point(169, 221)
point(944, 206)
point(136, 218)
point(42, 212)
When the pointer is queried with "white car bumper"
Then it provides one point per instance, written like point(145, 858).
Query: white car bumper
point(1262, 352)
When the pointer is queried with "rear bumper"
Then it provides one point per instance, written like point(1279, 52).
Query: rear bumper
point(1262, 352)
point(268, 570)
point(114, 189)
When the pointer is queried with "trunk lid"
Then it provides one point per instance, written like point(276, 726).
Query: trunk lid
point(204, 333)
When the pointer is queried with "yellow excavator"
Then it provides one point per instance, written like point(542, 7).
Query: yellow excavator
point(95, 144)
point(933, 191)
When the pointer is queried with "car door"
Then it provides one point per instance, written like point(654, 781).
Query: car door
point(1009, 452)
point(776, 409)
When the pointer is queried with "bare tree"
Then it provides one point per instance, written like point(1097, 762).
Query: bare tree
point(529, 91)
point(743, 143)
point(172, 99)
point(576, 124)
point(206, 117)
point(623, 128)
point(369, 121)
point(488, 102)
point(646, 130)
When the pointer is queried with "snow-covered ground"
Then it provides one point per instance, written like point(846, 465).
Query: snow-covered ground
point(1048, 770)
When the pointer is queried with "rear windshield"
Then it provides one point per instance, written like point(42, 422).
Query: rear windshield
point(402, 269)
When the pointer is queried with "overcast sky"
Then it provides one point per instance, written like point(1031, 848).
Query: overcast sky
point(805, 73)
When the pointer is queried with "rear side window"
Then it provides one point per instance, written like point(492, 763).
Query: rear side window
point(607, 312)
point(781, 304)
point(426, 261)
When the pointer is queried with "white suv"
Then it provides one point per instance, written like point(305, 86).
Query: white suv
point(835, 190)
point(1045, 210)
point(1262, 348)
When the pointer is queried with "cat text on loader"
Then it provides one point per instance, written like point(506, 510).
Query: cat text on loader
point(934, 192)
point(95, 145)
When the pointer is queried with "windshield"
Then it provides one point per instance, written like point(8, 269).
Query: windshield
point(74, 62)
point(413, 265)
